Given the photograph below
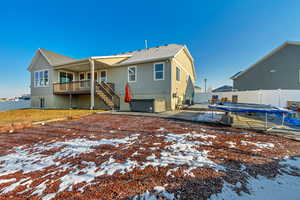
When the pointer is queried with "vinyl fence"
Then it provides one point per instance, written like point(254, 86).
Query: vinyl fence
point(277, 98)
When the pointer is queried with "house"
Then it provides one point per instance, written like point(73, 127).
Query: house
point(280, 69)
point(165, 72)
point(224, 88)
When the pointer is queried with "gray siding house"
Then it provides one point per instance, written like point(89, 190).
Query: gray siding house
point(279, 69)
point(166, 73)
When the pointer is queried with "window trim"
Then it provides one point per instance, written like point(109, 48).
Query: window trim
point(163, 71)
point(134, 74)
point(178, 81)
point(34, 79)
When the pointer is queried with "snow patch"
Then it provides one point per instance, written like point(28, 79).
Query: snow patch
point(261, 145)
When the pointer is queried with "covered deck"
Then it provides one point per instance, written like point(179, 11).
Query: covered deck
point(81, 77)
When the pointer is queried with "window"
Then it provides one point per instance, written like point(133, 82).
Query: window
point(66, 77)
point(187, 78)
point(41, 78)
point(159, 71)
point(81, 79)
point(103, 76)
point(89, 77)
point(178, 74)
point(132, 74)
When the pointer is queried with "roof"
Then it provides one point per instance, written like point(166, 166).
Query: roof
point(133, 57)
point(154, 53)
point(236, 75)
point(266, 57)
point(224, 88)
point(55, 58)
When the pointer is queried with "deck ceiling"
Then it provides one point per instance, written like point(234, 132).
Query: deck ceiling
point(83, 66)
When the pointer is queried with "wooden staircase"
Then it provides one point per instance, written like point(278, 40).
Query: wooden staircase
point(107, 93)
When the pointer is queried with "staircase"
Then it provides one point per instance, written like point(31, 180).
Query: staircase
point(107, 94)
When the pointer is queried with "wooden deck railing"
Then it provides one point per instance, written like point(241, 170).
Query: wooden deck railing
point(72, 87)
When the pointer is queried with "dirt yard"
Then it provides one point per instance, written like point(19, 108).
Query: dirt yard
point(106, 156)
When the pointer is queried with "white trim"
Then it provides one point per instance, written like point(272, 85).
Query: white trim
point(154, 72)
point(102, 70)
point(38, 71)
point(299, 76)
point(135, 74)
point(179, 74)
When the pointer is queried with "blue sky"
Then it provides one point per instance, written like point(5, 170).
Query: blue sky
point(224, 36)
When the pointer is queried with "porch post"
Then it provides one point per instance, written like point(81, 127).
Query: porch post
point(92, 64)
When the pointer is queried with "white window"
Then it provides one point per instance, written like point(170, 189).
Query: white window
point(187, 78)
point(132, 74)
point(178, 74)
point(41, 78)
point(159, 71)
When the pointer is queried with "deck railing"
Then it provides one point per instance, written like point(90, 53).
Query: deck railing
point(72, 87)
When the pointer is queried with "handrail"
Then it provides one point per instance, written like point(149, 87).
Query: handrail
point(72, 82)
point(103, 89)
point(74, 86)
point(110, 93)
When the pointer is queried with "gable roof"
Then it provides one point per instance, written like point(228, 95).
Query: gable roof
point(265, 57)
point(55, 58)
point(51, 57)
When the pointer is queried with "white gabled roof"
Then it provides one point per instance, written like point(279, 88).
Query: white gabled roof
point(265, 57)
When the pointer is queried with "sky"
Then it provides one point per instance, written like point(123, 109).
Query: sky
point(223, 36)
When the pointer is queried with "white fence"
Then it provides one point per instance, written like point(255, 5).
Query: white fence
point(277, 98)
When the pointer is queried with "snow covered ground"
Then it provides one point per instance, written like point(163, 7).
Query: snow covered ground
point(150, 159)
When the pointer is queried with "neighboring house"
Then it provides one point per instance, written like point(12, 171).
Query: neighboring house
point(224, 88)
point(280, 69)
point(165, 72)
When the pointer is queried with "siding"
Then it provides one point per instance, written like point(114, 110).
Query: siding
point(286, 65)
point(185, 87)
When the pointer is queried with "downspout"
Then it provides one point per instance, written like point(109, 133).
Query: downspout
point(92, 64)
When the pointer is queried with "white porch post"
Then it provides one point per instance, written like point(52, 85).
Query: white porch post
point(92, 64)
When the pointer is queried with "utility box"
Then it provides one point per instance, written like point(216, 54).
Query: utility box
point(148, 105)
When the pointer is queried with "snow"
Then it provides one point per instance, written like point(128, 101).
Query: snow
point(231, 144)
point(32, 159)
point(160, 193)
point(210, 116)
point(283, 186)
point(7, 180)
point(261, 145)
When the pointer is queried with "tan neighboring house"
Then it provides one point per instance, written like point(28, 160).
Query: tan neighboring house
point(165, 73)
